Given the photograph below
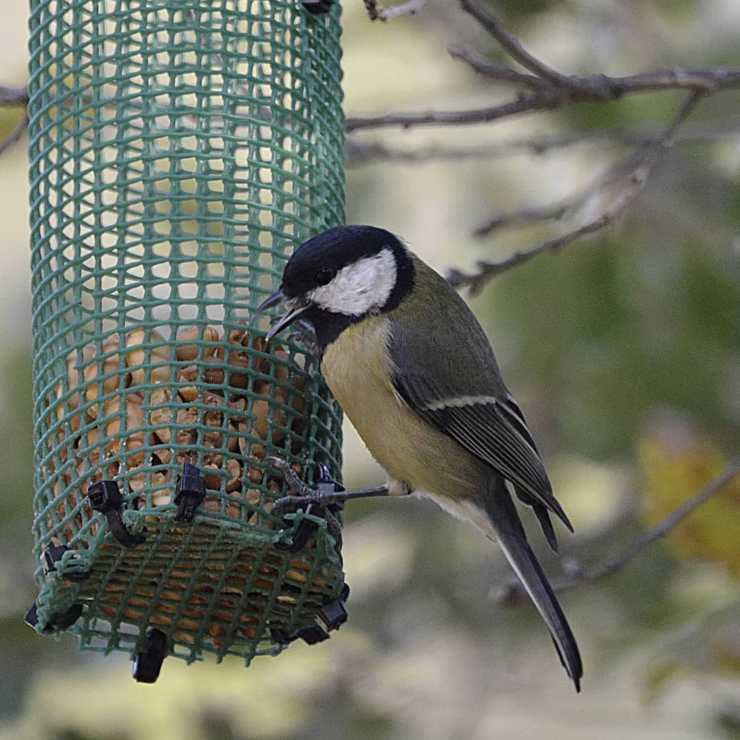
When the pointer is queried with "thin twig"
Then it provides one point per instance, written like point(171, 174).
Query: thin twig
point(15, 134)
point(487, 270)
point(360, 151)
point(611, 565)
point(527, 104)
point(531, 214)
point(513, 46)
point(638, 168)
point(498, 72)
point(669, 137)
point(596, 88)
point(13, 95)
point(626, 176)
point(548, 88)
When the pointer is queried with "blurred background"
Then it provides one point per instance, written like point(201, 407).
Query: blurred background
point(623, 350)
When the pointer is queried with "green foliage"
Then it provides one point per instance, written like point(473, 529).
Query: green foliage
point(616, 332)
point(10, 117)
point(16, 444)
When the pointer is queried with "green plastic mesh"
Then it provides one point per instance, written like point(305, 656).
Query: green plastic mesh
point(180, 149)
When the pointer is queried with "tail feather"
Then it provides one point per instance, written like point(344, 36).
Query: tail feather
point(513, 542)
point(543, 516)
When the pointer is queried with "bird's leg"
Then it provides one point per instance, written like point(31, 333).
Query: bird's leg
point(324, 493)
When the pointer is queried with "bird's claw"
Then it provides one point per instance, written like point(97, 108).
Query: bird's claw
point(301, 493)
point(293, 480)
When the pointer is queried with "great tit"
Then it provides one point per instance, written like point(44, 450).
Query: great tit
point(414, 371)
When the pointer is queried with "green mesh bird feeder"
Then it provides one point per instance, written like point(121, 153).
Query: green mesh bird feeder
point(180, 149)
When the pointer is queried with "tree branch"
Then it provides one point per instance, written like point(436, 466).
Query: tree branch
point(513, 46)
point(547, 88)
point(594, 89)
point(579, 575)
point(15, 134)
point(533, 214)
point(13, 95)
point(526, 104)
point(635, 172)
point(498, 72)
point(360, 151)
point(486, 270)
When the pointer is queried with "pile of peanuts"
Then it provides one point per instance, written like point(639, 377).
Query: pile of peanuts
point(182, 599)
point(184, 383)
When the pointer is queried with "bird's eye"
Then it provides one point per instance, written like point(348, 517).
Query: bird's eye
point(324, 276)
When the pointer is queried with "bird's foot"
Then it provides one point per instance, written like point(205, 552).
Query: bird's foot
point(302, 494)
point(327, 492)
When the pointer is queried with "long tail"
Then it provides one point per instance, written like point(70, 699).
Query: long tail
point(513, 541)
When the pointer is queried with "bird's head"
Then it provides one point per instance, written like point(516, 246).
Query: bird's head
point(341, 276)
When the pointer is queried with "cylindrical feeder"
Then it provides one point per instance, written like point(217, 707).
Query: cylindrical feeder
point(179, 151)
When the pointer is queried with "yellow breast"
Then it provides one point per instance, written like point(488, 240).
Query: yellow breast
point(357, 369)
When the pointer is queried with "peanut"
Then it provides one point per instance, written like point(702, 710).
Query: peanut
point(136, 356)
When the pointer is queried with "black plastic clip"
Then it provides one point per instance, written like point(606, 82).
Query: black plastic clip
point(281, 636)
point(148, 663)
point(313, 634)
point(327, 485)
point(302, 535)
point(317, 7)
point(105, 497)
point(52, 555)
point(189, 492)
point(334, 614)
point(310, 635)
point(58, 622)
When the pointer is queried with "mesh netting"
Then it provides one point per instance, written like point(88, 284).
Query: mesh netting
point(179, 151)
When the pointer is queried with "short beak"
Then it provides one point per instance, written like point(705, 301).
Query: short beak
point(273, 300)
point(286, 319)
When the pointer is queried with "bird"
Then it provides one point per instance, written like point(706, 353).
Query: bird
point(414, 371)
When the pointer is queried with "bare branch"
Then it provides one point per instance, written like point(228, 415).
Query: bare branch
point(579, 575)
point(487, 270)
point(544, 101)
point(359, 151)
point(376, 12)
point(709, 79)
point(498, 72)
point(15, 134)
point(623, 177)
point(596, 88)
point(524, 216)
point(547, 87)
point(637, 169)
point(13, 95)
point(513, 46)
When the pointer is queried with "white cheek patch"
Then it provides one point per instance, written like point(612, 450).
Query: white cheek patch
point(358, 288)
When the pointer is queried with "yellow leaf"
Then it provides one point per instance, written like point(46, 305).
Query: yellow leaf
point(675, 465)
